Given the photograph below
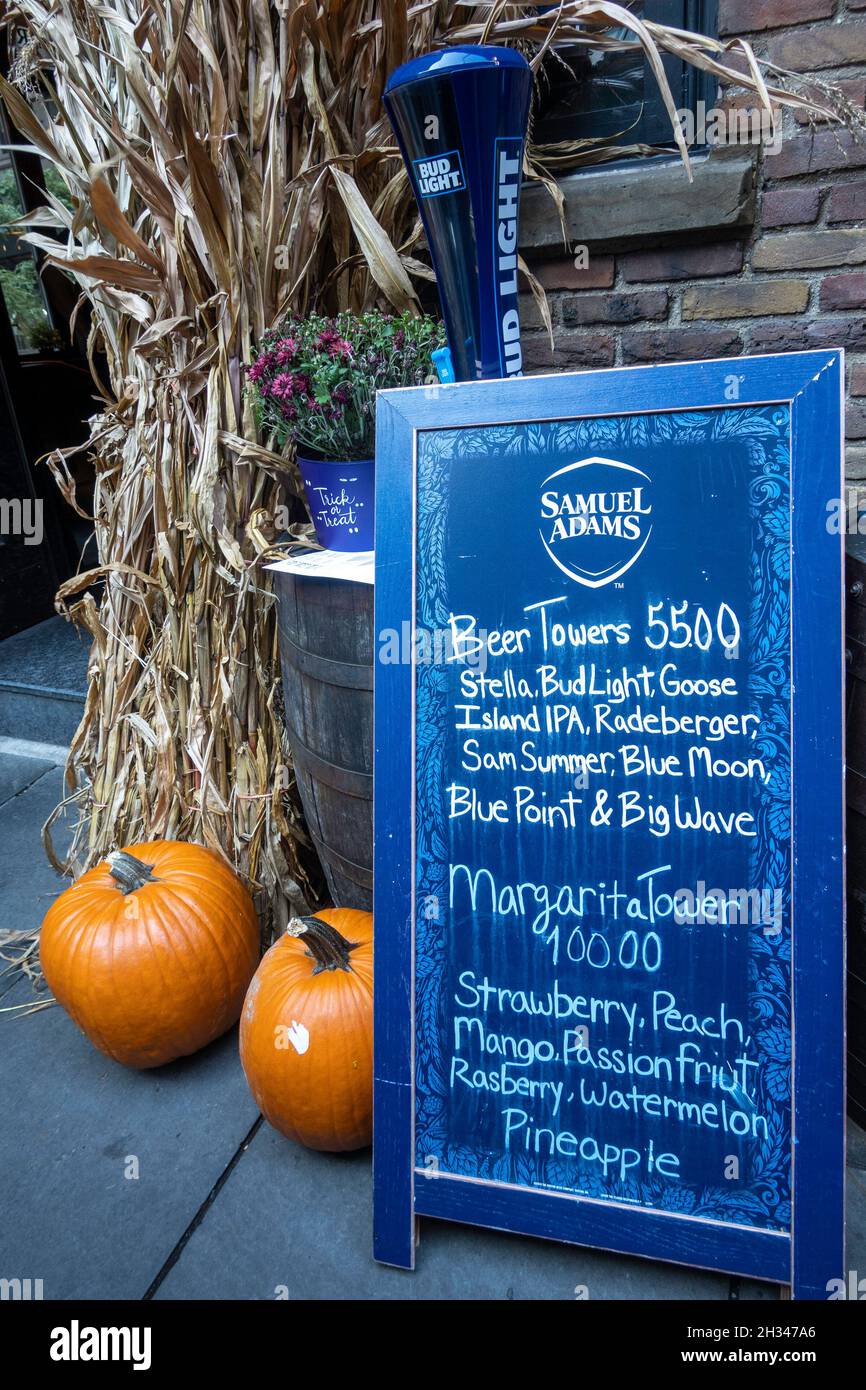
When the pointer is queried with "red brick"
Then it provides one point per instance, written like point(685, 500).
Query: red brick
point(562, 275)
point(736, 299)
point(778, 337)
point(855, 467)
point(736, 99)
point(572, 350)
point(844, 333)
point(796, 335)
point(854, 88)
point(618, 307)
point(750, 16)
point(737, 62)
point(747, 122)
point(683, 262)
point(857, 383)
point(530, 315)
point(855, 420)
point(810, 250)
point(786, 207)
point(848, 203)
point(816, 154)
point(831, 46)
point(844, 291)
point(679, 344)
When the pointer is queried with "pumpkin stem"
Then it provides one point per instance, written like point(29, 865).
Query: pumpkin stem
point(324, 943)
point(128, 872)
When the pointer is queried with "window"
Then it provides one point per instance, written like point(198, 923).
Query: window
point(20, 285)
point(29, 298)
point(587, 94)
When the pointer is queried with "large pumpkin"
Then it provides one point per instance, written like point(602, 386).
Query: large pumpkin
point(307, 1031)
point(152, 951)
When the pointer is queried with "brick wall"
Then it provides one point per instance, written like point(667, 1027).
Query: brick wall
point(796, 279)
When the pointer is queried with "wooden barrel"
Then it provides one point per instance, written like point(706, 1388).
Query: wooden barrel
point(855, 654)
point(326, 651)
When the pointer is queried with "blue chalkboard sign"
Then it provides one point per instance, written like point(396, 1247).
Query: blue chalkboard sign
point(609, 813)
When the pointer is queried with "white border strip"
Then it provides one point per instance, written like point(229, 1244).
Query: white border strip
point(24, 748)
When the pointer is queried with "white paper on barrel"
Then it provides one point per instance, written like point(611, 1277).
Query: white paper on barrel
point(329, 564)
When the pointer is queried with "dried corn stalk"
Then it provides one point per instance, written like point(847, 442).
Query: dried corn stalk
point(227, 160)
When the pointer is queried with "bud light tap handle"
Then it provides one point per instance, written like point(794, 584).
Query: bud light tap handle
point(460, 119)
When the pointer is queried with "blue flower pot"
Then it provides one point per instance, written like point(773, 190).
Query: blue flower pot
point(340, 498)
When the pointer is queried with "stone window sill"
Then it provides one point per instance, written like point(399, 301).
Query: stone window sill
point(638, 202)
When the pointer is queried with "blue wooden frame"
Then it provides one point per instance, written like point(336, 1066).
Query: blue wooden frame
point(811, 383)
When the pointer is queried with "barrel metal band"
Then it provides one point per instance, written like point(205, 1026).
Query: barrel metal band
point(342, 779)
point(355, 872)
point(350, 674)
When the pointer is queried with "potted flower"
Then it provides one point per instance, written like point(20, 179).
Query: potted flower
point(314, 381)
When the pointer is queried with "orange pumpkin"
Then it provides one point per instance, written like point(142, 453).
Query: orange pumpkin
point(307, 1031)
point(152, 951)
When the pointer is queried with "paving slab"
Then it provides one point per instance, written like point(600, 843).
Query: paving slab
point(297, 1224)
point(16, 774)
point(43, 681)
point(51, 655)
point(856, 1145)
point(856, 1214)
point(33, 714)
point(206, 1218)
point(102, 1169)
point(28, 884)
point(856, 1199)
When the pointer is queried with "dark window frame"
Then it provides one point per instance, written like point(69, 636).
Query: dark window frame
point(24, 167)
point(58, 292)
point(641, 119)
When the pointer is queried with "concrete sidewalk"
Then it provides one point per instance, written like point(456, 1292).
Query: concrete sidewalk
point(167, 1184)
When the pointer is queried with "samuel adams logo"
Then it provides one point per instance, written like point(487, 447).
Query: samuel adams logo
point(596, 518)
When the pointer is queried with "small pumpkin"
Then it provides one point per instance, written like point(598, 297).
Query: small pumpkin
point(151, 952)
point(306, 1034)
